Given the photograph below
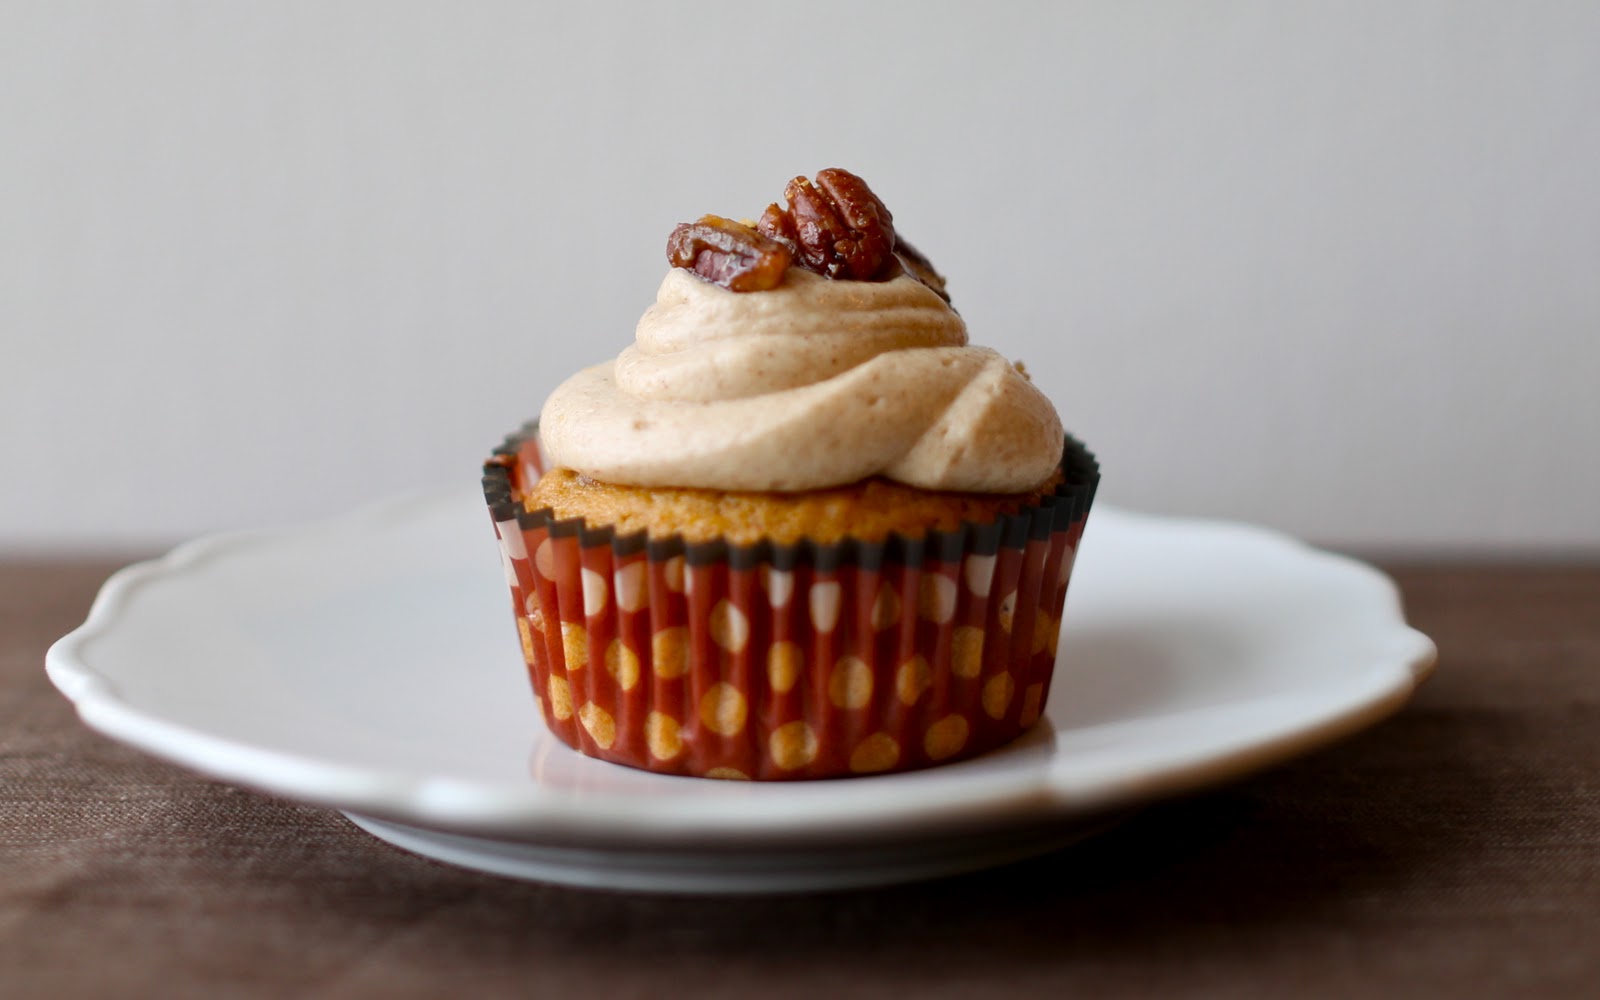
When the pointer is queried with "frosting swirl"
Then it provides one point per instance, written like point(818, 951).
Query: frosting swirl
point(811, 384)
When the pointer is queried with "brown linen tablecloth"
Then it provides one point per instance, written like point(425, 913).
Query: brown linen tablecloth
point(1454, 850)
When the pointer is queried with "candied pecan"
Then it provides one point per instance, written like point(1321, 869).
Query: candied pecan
point(836, 226)
point(776, 224)
point(729, 254)
point(833, 225)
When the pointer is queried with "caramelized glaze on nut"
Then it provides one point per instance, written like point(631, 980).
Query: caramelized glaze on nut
point(729, 254)
point(833, 225)
point(836, 226)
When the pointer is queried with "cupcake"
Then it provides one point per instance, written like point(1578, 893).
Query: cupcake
point(799, 528)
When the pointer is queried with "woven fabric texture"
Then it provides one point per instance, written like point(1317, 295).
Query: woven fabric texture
point(1453, 850)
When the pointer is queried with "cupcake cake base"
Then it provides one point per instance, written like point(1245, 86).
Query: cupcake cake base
point(776, 660)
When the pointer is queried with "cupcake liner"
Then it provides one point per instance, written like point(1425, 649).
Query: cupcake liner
point(772, 662)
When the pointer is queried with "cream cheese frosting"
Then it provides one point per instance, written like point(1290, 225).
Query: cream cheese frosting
point(812, 384)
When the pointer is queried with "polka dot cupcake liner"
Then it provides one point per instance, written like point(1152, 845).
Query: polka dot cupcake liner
point(775, 662)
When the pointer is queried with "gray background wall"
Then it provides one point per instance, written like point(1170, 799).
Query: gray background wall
point(1329, 267)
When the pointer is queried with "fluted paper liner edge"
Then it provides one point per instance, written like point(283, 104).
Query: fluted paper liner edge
point(771, 662)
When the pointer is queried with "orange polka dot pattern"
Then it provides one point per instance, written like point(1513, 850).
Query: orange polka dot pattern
point(700, 667)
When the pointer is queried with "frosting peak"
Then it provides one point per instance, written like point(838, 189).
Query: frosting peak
point(811, 384)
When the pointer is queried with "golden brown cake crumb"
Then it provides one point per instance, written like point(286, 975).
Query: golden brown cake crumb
point(869, 510)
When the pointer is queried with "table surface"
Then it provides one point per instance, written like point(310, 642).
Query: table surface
point(1453, 849)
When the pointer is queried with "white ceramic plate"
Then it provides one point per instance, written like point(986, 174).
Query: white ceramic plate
point(369, 664)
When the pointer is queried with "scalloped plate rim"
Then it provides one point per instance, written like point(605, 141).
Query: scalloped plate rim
point(848, 810)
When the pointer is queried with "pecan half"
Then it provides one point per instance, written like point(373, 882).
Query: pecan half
point(833, 225)
point(836, 226)
point(729, 254)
